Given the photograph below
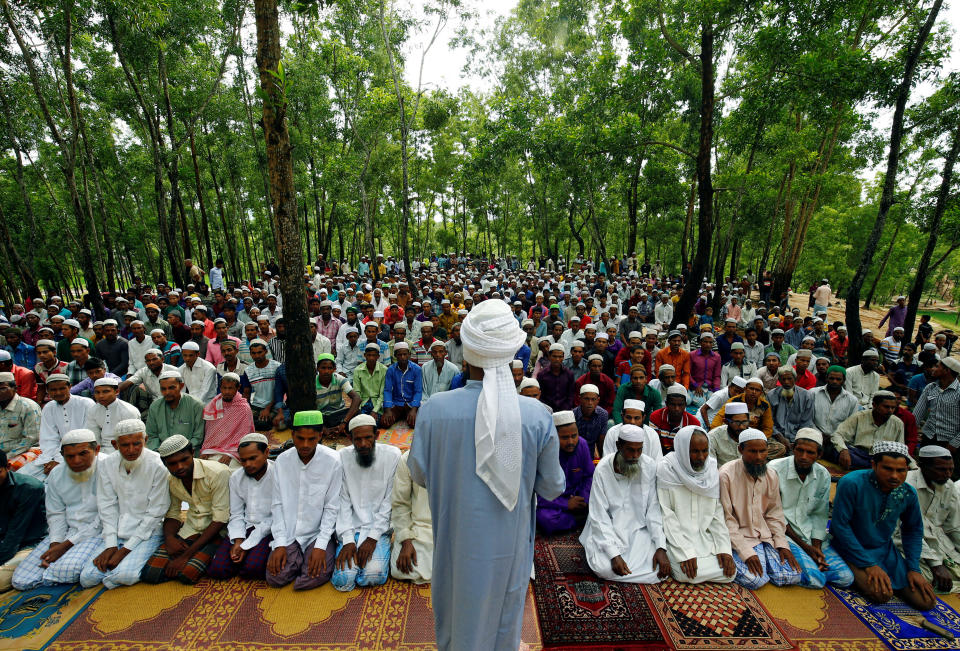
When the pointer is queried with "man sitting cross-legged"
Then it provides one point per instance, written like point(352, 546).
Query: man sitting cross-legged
point(576, 459)
point(306, 499)
point(805, 496)
point(866, 510)
point(188, 547)
point(750, 494)
point(246, 548)
point(623, 537)
point(363, 523)
point(72, 521)
point(688, 485)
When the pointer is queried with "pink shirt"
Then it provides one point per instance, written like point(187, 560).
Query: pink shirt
point(752, 508)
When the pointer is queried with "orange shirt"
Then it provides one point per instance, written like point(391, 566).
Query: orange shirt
point(680, 362)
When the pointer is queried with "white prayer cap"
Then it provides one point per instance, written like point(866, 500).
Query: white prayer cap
point(632, 433)
point(129, 426)
point(706, 335)
point(595, 357)
point(107, 382)
point(439, 344)
point(132, 313)
point(231, 376)
point(136, 322)
point(362, 420)
point(112, 322)
point(677, 390)
point(894, 447)
point(376, 347)
point(153, 351)
point(159, 331)
point(639, 405)
point(734, 408)
point(786, 370)
point(559, 347)
point(751, 434)
point(776, 331)
point(804, 353)
point(400, 326)
point(604, 336)
point(951, 363)
point(263, 317)
point(378, 314)
point(930, 346)
point(50, 343)
point(80, 341)
point(574, 318)
point(253, 437)
point(666, 367)
point(870, 352)
point(635, 334)
point(172, 444)
point(589, 388)
point(933, 452)
point(75, 436)
point(517, 363)
point(57, 377)
point(7, 377)
point(525, 383)
point(866, 331)
point(462, 311)
point(73, 323)
point(400, 345)
point(739, 381)
point(755, 380)
point(191, 345)
point(737, 346)
point(810, 434)
point(681, 326)
point(171, 375)
point(5, 356)
point(561, 418)
point(258, 342)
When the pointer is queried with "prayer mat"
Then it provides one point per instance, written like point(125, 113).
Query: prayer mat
point(714, 616)
point(898, 625)
point(577, 610)
point(836, 472)
point(29, 620)
point(250, 616)
point(399, 435)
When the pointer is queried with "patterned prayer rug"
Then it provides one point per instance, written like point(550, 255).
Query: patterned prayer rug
point(714, 616)
point(238, 615)
point(399, 435)
point(576, 610)
point(897, 624)
point(29, 620)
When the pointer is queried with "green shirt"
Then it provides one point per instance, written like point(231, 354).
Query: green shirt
point(805, 502)
point(370, 385)
point(652, 401)
point(186, 419)
point(785, 351)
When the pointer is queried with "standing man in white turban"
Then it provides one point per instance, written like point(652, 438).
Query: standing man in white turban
point(688, 485)
point(623, 538)
point(482, 452)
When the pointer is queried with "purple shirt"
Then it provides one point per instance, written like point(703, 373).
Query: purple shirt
point(895, 318)
point(705, 370)
point(578, 469)
point(556, 391)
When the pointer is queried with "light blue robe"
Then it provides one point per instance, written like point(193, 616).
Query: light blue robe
point(483, 554)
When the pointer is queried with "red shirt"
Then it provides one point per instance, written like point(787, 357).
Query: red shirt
point(608, 391)
point(26, 382)
point(806, 381)
point(911, 435)
point(660, 422)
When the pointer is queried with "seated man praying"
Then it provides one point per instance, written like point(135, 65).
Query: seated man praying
point(570, 509)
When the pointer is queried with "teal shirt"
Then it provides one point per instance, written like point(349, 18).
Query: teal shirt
point(186, 419)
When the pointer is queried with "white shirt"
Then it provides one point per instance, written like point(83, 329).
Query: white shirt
point(693, 525)
point(651, 448)
point(624, 520)
point(716, 401)
point(216, 278)
point(150, 381)
point(55, 421)
point(135, 351)
point(827, 414)
point(753, 354)
point(102, 420)
point(342, 333)
point(366, 494)
point(321, 345)
point(410, 515)
point(251, 505)
point(132, 505)
point(663, 313)
point(861, 385)
point(201, 380)
point(434, 382)
point(306, 498)
point(72, 505)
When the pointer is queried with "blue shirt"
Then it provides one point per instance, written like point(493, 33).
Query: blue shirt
point(723, 346)
point(918, 382)
point(23, 355)
point(591, 429)
point(403, 388)
point(523, 355)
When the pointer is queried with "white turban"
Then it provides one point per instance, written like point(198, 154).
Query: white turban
point(632, 433)
point(675, 469)
point(491, 337)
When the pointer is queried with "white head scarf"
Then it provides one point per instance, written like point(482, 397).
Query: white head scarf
point(491, 337)
point(675, 470)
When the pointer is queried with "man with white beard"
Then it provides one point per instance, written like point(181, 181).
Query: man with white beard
point(132, 498)
point(633, 411)
point(71, 505)
point(623, 537)
point(688, 485)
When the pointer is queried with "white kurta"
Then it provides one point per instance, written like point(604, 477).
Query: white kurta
point(132, 505)
point(624, 520)
point(365, 494)
point(694, 527)
point(411, 521)
point(434, 382)
point(72, 505)
point(135, 351)
point(862, 385)
point(56, 420)
point(251, 505)
point(306, 498)
point(201, 380)
point(102, 420)
point(827, 414)
point(651, 447)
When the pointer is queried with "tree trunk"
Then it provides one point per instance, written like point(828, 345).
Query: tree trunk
point(943, 196)
point(883, 265)
point(687, 226)
point(632, 204)
point(691, 290)
point(228, 236)
point(204, 221)
point(852, 313)
point(301, 369)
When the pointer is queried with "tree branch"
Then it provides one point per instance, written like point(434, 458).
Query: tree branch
point(672, 41)
point(685, 152)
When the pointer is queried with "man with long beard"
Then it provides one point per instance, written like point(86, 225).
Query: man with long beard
point(623, 537)
point(363, 524)
point(750, 494)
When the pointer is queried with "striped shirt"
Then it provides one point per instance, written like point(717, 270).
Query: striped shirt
point(334, 396)
point(938, 413)
point(260, 381)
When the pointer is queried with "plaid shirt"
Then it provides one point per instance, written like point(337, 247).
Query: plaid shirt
point(19, 426)
point(42, 372)
point(938, 413)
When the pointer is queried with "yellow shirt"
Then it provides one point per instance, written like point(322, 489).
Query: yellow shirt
point(209, 498)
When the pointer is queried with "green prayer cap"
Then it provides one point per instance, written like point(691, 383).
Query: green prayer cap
point(352, 309)
point(326, 356)
point(554, 307)
point(307, 418)
point(837, 369)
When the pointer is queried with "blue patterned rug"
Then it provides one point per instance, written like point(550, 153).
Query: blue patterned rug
point(30, 620)
point(891, 622)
